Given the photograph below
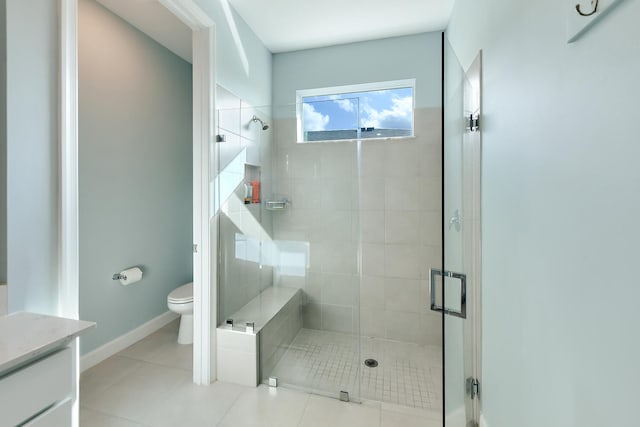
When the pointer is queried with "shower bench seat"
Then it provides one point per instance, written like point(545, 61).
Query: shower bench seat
point(259, 332)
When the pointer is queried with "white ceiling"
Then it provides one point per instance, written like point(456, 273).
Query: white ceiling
point(286, 25)
point(156, 21)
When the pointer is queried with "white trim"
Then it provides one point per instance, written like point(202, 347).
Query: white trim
point(68, 222)
point(189, 13)
point(483, 421)
point(355, 88)
point(68, 255)
point(204, 233)
point(363, 87)
point(115, 346)
point(457, 417)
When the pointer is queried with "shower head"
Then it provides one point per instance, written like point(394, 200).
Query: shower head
point(264, 125)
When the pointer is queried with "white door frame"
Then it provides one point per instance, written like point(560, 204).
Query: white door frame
point(204, 292)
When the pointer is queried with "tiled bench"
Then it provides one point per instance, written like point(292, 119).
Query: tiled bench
point(244, 352)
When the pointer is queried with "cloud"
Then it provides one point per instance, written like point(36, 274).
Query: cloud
point(313, 120)
point(397, 117)
point(345, 104)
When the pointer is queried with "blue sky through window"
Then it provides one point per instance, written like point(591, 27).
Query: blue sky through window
point(380, 109)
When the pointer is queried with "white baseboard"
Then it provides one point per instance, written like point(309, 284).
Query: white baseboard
point(107, 350)
point(457, 417)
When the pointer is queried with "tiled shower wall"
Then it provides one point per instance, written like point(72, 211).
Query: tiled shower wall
point(390, 209)
point(320, 179)
point(246, 151)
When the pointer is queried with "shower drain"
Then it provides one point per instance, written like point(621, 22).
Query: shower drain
point(371, 363)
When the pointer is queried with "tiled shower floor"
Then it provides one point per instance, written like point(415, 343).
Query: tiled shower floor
point(407, 374)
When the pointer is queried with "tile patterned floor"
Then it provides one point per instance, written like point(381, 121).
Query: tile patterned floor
point(149, 384)
point(407, 374)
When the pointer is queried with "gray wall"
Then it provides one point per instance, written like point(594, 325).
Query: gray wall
point(416, 56)
point(560, 212)
point(389, 206)
point(32, 155)
point(32, 134)
point(3, 141)
point(243, 64)
point(135, 141)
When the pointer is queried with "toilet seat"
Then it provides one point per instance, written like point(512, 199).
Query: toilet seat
point(181, 295)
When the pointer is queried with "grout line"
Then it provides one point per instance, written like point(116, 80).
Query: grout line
point(153, 363)
point(235, 401)
point(108, 414)
point(306, 407)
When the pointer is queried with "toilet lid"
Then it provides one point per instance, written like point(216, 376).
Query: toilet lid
point(183, 294)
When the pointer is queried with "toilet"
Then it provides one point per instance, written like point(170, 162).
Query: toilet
point(180, 301)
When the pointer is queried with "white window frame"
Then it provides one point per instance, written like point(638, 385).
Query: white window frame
point(340, 90)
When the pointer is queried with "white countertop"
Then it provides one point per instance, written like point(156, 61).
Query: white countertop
point(26, 336)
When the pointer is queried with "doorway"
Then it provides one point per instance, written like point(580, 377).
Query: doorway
point(203, 78)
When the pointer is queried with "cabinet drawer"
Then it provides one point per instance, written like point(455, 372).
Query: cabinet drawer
point(35, 387)
point(58, 416)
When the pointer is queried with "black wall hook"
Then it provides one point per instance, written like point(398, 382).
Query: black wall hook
point(594, 4)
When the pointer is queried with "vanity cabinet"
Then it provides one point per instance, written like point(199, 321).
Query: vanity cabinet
point(38, 369)
point(34, 392)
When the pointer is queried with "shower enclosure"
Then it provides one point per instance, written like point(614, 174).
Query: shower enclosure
point(336, 250)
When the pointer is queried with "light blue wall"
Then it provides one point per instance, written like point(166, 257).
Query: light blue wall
point(32, 155)
point(249, 80)
point(135, 145)
point(560, 206)
point(32, 138)
point(3, 141)
point(397, 58)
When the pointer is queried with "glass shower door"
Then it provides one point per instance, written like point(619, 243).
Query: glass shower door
point(317, 245)
point(455, 288)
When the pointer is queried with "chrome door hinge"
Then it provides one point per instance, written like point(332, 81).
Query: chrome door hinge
point(473, 387)
point(472, 123)
point(195, 249)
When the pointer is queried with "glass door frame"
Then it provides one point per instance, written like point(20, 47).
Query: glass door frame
point(469, 263)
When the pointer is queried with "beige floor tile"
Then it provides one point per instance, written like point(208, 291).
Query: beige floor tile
point(173, 326)
point(323, 412)
point(414, 412)
point(397, 419)
point(189, 405)
point(267, 407)
point(90, 418)
point(134, 396)
point(162, 348)
point(150, 384)
point(102, 376)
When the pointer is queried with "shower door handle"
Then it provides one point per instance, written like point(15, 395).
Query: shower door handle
point(462, 313)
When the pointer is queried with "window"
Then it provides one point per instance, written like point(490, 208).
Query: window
point(373, 110)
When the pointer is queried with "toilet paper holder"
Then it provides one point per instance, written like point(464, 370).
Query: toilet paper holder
point(129, 276)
